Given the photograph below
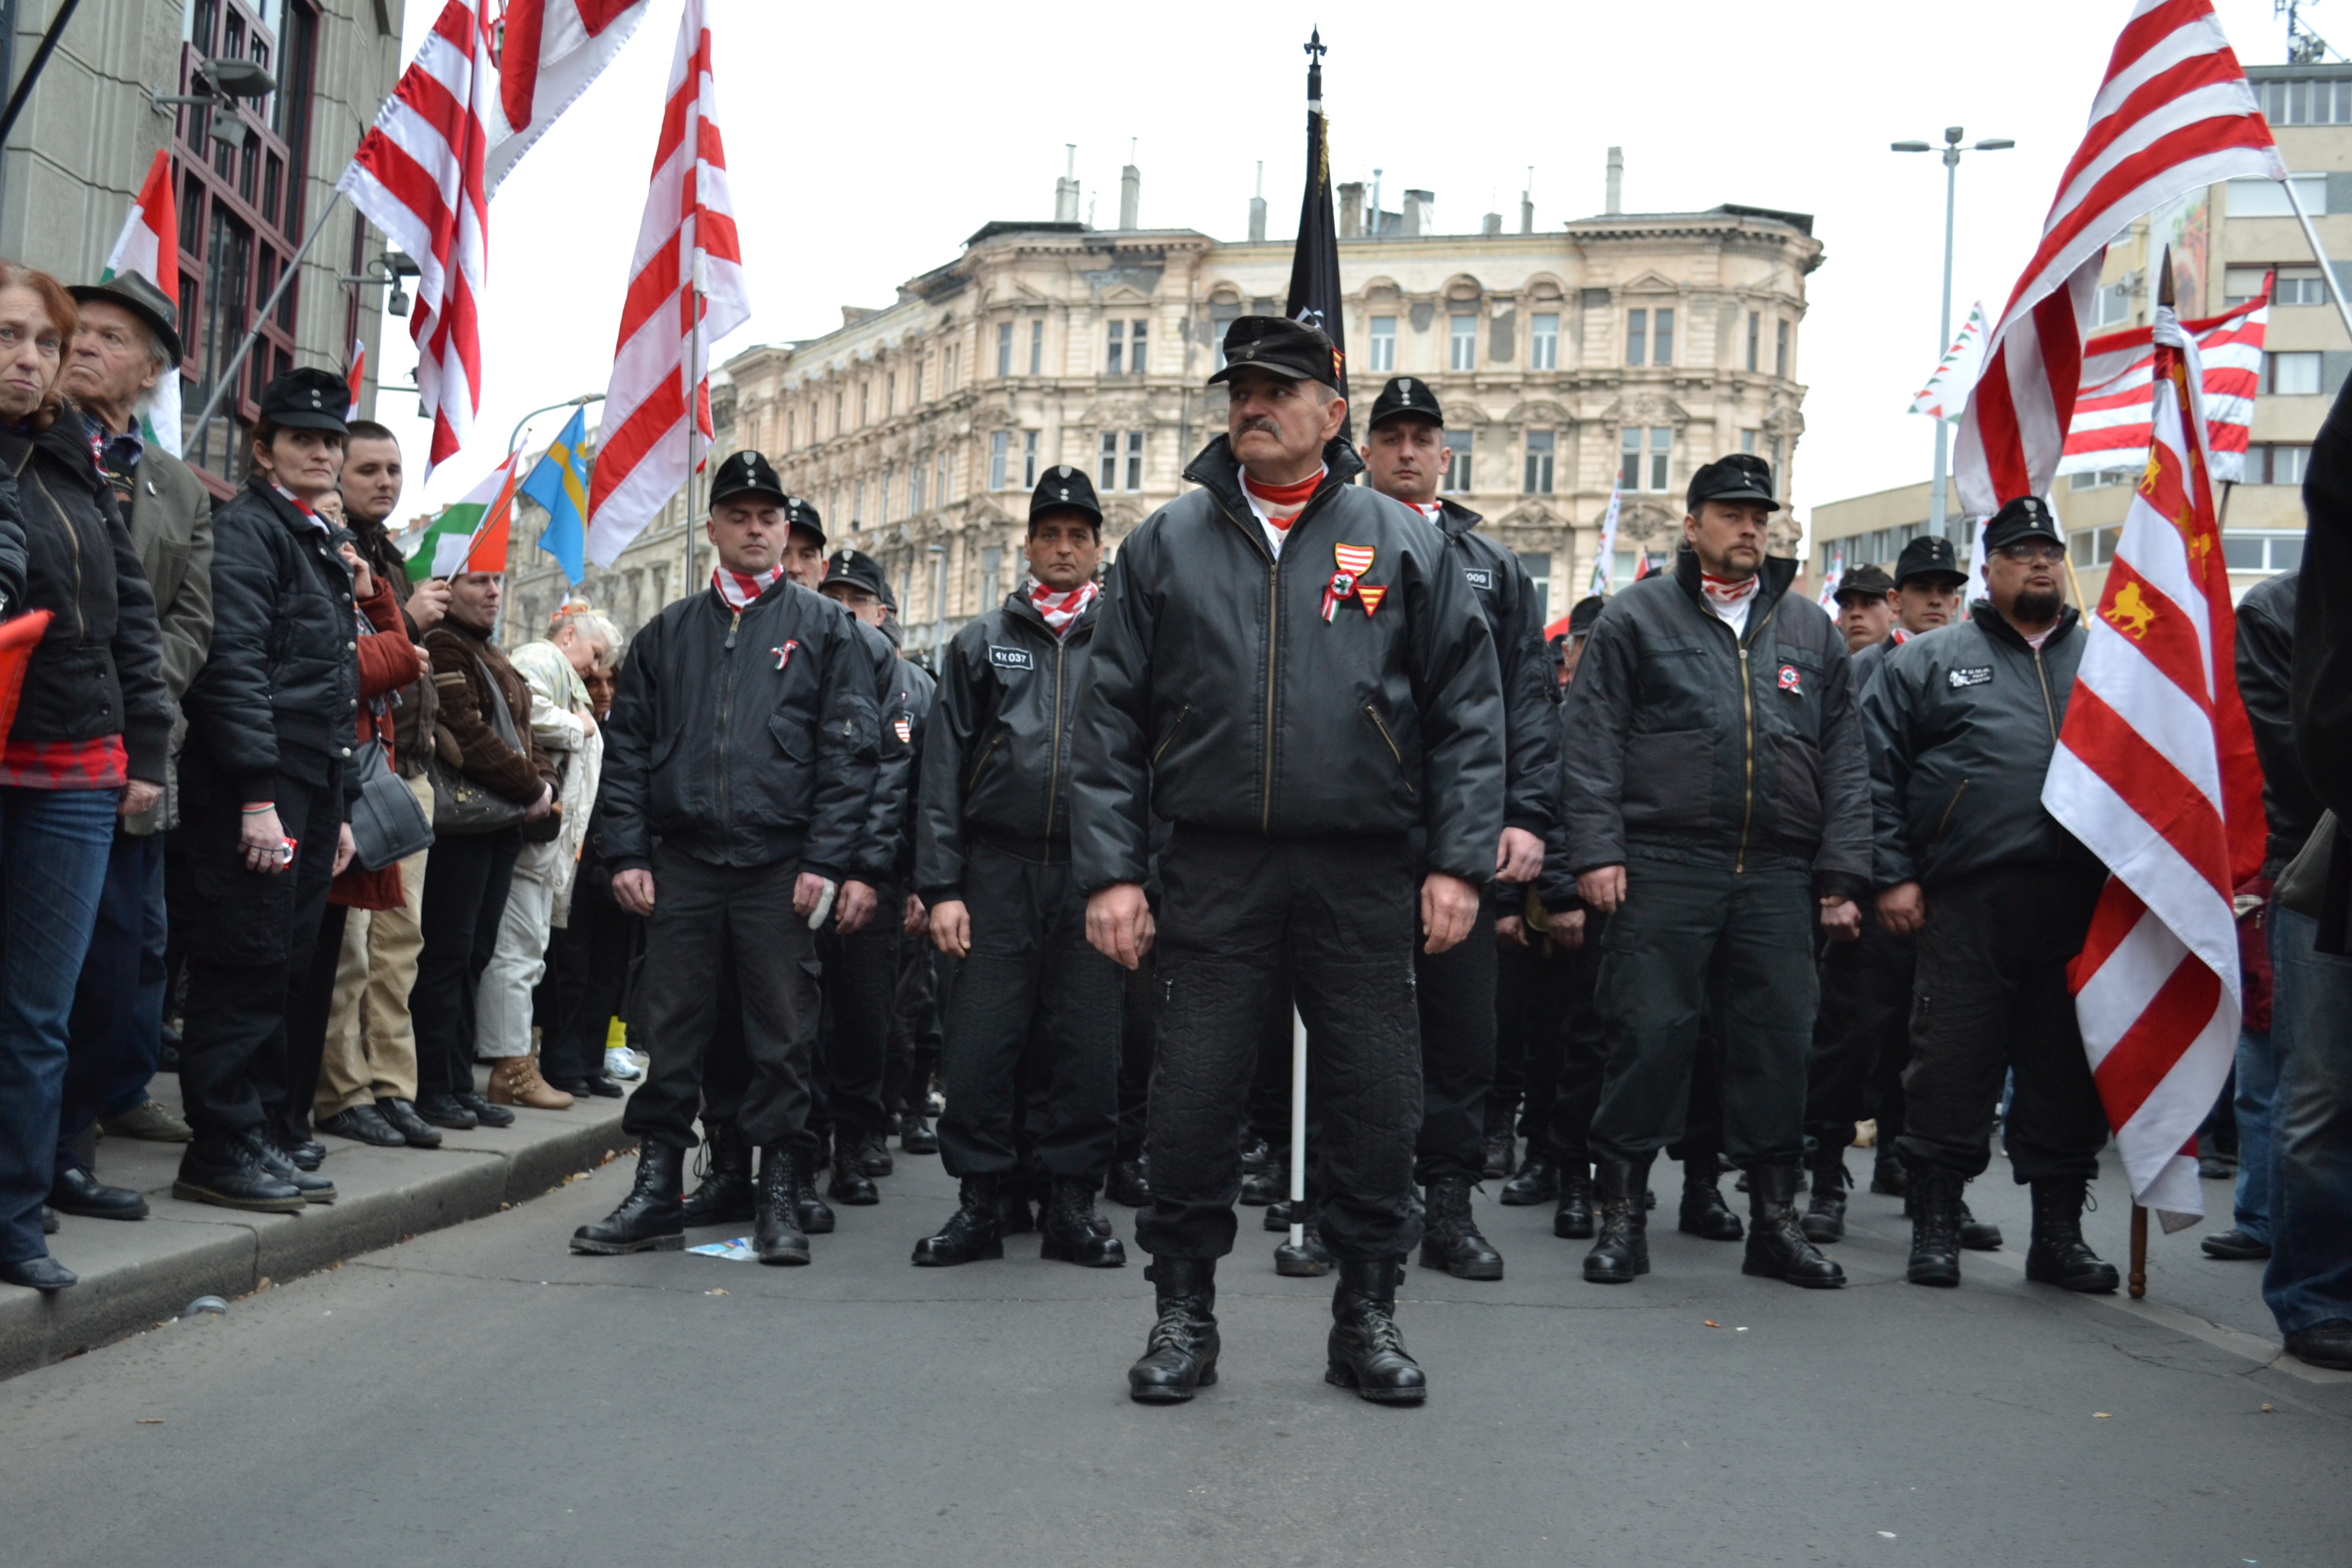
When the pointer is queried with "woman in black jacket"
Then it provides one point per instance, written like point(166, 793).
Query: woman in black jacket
point(262, 833)
point(91, 729)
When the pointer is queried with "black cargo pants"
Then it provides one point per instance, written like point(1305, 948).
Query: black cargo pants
point(1861, 1041)
point(1456, 989)
point(1334, 919)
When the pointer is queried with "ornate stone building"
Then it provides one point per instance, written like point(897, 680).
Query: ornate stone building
point(1619, 351)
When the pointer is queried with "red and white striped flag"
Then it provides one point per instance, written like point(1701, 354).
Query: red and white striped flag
point(548, 53)
point(2174, 113)
point(417, 177)
point(2111, 415)
point(2155, 773)
point(687, 236)
point(355, 376)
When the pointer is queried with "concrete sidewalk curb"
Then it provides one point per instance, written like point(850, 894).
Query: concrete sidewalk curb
point(137, 1274)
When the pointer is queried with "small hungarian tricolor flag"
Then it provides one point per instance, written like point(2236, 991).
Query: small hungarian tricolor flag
point(150, 246)
point(471, 534)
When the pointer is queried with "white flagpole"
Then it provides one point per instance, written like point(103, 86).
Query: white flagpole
point(699, 285)
point(2326, 267)
point(1298, 1128)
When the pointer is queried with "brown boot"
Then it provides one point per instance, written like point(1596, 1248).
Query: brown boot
point(516, 1081)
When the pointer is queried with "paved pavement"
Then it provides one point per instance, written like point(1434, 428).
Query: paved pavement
point(479, 1395)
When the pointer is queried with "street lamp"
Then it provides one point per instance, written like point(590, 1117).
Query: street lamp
point(1951, 149)
point(583, 401)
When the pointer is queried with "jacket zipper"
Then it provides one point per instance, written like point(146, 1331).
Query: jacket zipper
point(1273, 631)
point(1054, 772)
point(73, 545)
point(726, 707)
point(1373, 714)
point(2049, 713)
point(1748, 726)
point(973, 779)
point(1181, 714)
point(1950, 806)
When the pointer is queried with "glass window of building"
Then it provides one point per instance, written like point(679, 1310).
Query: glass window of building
point(1539, 456)
point(1637, 337)
point(1543, 345)
point(1384, 344)
point(1000, 443)
point(1457, 462)
point(1462, 342)
point(1661, 337)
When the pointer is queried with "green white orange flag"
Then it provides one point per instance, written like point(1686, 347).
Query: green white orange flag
point(470, 534)
point(150, 246)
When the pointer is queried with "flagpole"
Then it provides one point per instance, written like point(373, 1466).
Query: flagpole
point(2138, 1252)
point(2326, 267)
point(1298, 1128)
point(699, 272)
point(228, 377)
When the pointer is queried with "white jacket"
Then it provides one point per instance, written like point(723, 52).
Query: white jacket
point(559, 706)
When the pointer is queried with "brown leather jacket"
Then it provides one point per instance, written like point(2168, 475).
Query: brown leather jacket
point(461, 657)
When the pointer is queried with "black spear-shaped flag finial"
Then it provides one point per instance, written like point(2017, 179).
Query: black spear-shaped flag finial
point(1315, 52)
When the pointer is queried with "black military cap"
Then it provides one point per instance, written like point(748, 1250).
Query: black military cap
point(1403, 395)
point(307, 399)
point(1742, 476)
point(799, 513)
point(1064, 489)
point(1870, 583)
point(1927, 556)
point(2027, 517)
point(856, 569)
point(745, 473)
point(1281, 347)
point(145, 300)
point(1587, 611)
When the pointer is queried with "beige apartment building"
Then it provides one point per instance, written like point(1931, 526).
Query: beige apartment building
point(2222, 242)
point(1619, 351)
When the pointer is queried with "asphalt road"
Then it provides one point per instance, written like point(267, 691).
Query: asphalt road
point(479, 1395)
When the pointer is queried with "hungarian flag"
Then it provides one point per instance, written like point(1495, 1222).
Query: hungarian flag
point(1955, 374)
point(150, 246)
point(1315, 296)
point(470, 534)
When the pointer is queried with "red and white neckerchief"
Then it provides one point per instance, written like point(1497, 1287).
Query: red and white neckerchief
point(1901, 637)
point(1431, 510)
point(309, 512)
point(1730, 597)
point(2035, 639)
point(1278, 506)
point(739, 591)
point(1061, 611)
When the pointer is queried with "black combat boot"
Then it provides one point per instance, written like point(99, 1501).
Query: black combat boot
point(1824, 1220)
point(649, 1219)
point(1934, 1206)
point(225, 1173)
point(1572, 1220)
point(1623, 1249)
point(723, 1196)
point(809, 1212)
point(1777, 1247)
point(2059, 1256)
point(1181, 1357)
point(1310, 1259)
point(1270, 1183)
point(776, 1234)
point(1130, 1183)
point(970, 1232)
point(1366, 1352)
point(874, 1153)
point(1012, 1217)
point(916, 1134)
point(849, 1183)
point(1978, 1235)
point(1887, 1176)
point(1501, 1152)
point(273, 1158)
point(1537, 1182)
point(1073, 1229)
point(1704, 1212)
point(1450, 1239)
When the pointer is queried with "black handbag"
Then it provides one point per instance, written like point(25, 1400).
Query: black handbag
point(462, 805)
point(388, 826)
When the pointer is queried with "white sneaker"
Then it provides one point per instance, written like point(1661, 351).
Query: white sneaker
point(622, 1066)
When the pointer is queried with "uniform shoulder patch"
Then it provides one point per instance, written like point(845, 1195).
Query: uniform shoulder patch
point(1972, 675)
point(1009, 658)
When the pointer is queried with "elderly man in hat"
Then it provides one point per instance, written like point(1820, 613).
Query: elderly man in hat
point(1405, 456)
point(992, 861)
point(1293, 673)
point(1963, 724)
point(127, 342)
point(1717, 807)
point(738, 769)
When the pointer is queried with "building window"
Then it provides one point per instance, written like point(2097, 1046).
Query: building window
point(1771, 458)
point(1107, 472)
point(857, 506)
point(1000, 446)
point(1029, 460)
point(914, 486)
point(992, 574)
point(1462, 342)
point(836, 413)
point(1037, 346)
point(2296, 285)
point(2275, 465)
point(1136, 358)
point(1637, 336)
point(2259, 197)
point(1114, 356)
point(1659, 444)
point(1543, 347)
point(882, 493)
point(1135, 459)
point(1457, 463)
point(1003, 348)
point(788, 429)
point(1540, 454)
point(889, 395)
point(1383, 355)
point(864, 388)
point(2093, 546)
point(2100, 478)
point(946, 478)
point(2111, 305)
point(2264, 552)
point(2305, 102)
point(1781, 349)
point(2291, 374)
point(1747, 440)
point(1755, 330)
point(1537, 564)
point(1661, 337)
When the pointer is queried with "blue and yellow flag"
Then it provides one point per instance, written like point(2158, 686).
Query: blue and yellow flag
point(560, 483)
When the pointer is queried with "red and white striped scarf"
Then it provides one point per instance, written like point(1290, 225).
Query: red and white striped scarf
point(739, 591)
point(1281, 504)
point(1062, 610)
point(1728, 591)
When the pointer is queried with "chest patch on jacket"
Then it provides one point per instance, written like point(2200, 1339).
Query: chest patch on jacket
point(1791, 682)
point(1976, 675)
point(1009, 658)
point(1479, 577)
point(904, 729)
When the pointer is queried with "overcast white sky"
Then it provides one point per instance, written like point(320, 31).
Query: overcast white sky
point(864, 145)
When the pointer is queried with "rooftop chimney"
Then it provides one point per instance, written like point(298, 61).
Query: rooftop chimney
point(1065, 190)
point(1528, 204)
point(1491, 224)
point(1257, 208)
point(1351, 210)
point(1616, 196)
point(1130, 190)
point(1419, 213)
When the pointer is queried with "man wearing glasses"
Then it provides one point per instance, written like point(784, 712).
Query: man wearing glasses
point(1963, 722)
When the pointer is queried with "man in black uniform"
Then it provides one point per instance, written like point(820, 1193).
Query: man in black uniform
point(915, 1011)
point(1963, 724)
point(994, 863)
point(743, 738)
point(1296, 676)
point(1405, 455)
point(1717, 807)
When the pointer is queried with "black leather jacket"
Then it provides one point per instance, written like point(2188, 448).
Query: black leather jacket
point(1219, 697)
point(1697, 746)
point(1963, 722)
point(279, 691)
point(883, 845)
point(2265, 665)
point(99, 669)
point(996, 762)
point(743, 739)
point(905, 718)
point(1530, 695)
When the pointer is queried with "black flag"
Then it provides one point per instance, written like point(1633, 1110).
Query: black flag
point(1315, 265)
